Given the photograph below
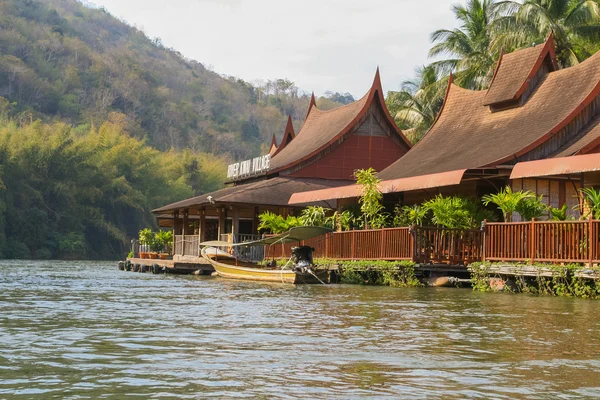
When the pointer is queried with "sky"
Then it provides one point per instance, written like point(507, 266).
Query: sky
point(320, 45)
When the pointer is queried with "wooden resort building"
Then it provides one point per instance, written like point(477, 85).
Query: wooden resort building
point(323, 154)
point(534, 128)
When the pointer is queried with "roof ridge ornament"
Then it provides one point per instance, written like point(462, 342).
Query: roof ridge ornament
point(273, 148)
point(288, 135)
point(313, 103)
point(377, 79)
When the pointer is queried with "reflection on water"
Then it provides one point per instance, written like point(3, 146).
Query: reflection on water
point(86, 330)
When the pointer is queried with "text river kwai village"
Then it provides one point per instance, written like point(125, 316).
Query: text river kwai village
point(300, 200)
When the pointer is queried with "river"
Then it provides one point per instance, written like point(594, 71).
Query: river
point(85, 330)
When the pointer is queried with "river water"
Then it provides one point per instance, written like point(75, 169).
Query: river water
point(85, 330)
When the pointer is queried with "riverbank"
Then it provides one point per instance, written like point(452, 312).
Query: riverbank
point(568, 280)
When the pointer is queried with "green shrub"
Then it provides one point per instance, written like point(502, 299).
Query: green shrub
point(387, 273)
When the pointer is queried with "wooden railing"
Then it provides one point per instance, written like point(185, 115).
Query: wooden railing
point(375, 244)
point(186, 246)
point(452, 246)
point(543, 241)
point(535, 241)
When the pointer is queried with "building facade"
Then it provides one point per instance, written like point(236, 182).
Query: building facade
point(323, 154)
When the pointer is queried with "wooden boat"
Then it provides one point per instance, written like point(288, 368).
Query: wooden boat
point(300, 268)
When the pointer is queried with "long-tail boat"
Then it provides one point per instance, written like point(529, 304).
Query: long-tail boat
point(299, 268)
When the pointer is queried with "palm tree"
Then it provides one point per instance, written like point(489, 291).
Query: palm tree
point(574, 24)
point(468, 46)
point(417, 104)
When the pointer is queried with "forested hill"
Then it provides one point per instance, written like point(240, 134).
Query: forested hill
point(100, 124)
point(59, 58)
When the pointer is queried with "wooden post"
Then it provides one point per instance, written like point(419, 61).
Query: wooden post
point(484, 236)
point(327, 236)
point(382, 253)
point(202, 225)
point(352, 250)
point(222, 221)
point(175, 228)
point(184, 229)
point(532, 241)
point(255, 220)
point(591, 240)
point(235, 224)
point(413, 234)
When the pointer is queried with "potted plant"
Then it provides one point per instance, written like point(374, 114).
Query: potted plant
point(146, 238)
point(163, 241)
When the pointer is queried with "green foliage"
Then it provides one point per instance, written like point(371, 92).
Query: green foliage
point(275, 224)
point(315, 216)
point(563, 281)
point(146, 236)
point(83, 193)
point(507, 201)
point(61, 59)
point(370, 198)
point(451, 212)
point(72, 245)
point(163, 240)
point(531, 207)
point(471, 51)
point(386, 273)
point(472, 58)
point(558, 214)
point(347, 220)
point(575, 26)
point(417, 104)
point(592, 197)
point(480, 278)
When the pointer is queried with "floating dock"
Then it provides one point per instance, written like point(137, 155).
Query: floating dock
point(189, 265)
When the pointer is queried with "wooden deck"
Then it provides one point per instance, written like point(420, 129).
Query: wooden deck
point(188, 265)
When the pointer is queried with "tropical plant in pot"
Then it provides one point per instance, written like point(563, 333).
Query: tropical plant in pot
point(163, 240)
point(146, 237)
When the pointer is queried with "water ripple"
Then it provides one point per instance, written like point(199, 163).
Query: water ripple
point(85, 330)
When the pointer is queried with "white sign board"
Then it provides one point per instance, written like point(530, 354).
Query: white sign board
point(247, 168)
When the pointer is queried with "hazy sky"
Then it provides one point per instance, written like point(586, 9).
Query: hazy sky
point(319, 44)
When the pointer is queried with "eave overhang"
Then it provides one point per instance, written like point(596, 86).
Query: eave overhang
point(557, 166)
point(441, 179)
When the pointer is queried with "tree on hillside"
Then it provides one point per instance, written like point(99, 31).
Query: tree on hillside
point(467, 46)
point(62, 60)
point(343, 98)
point(575, 25)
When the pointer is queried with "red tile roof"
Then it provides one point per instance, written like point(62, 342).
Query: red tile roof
point(468, 135)
point(323, 128)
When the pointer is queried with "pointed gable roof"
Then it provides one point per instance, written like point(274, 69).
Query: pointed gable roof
point(467, 135)
point(516, 70)
point(323, 128)
point(288, 135)
point(273, 147)
point(313, 103)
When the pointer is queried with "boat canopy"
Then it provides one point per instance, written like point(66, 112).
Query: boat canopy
point(295, 234)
